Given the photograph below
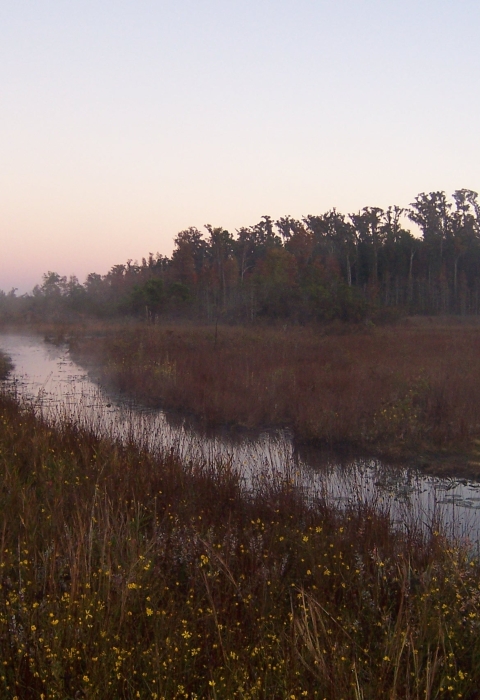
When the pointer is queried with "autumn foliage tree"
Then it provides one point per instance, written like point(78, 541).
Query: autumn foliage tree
point(363, 265)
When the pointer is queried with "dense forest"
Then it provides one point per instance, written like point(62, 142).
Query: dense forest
point(351, 267)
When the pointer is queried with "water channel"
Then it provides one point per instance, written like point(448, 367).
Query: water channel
point(45, 376)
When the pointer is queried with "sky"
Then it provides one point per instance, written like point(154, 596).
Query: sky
point(123, 122)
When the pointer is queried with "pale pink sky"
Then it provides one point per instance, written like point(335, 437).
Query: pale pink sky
point(123, 122)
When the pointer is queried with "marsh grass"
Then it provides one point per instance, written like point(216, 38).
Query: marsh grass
point(392, 390)
point(131, 575)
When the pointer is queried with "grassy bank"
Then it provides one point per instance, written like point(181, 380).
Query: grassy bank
point(5, 366)
point(396, 390)
point(125, 575)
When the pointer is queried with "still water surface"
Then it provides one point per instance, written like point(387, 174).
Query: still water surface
point(46, 377)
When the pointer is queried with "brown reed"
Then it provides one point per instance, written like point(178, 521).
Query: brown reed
point(394, 390)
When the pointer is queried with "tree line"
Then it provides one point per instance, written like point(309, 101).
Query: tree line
point(320, 267)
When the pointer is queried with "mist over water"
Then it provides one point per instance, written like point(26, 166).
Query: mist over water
point(46, 377)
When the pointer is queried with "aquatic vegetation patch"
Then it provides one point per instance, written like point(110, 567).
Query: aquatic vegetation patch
point(6, 365)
